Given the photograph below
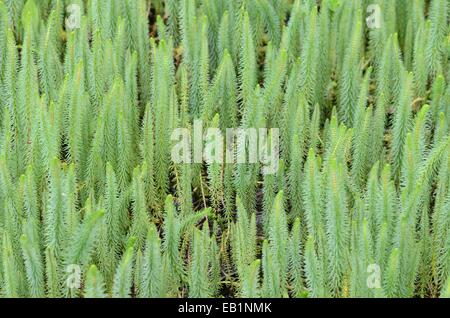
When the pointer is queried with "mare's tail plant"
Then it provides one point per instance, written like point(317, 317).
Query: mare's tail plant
point(93, 202)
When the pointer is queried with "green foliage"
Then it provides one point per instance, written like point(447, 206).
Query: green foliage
point(95, 287)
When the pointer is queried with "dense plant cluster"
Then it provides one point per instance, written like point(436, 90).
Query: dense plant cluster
point(88, 189)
